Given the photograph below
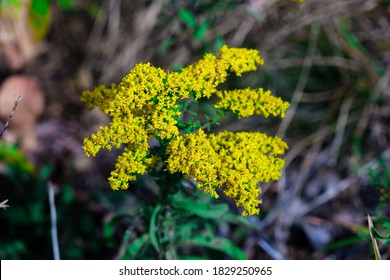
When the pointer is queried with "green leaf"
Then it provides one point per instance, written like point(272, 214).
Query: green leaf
point(236, 219)
point(374, 174)
point(197, 124)
point(218, 43)
point(184, 231)
point(46, 171)
point(351, 38)
point(67, 195)
point(344, 243)
point(125, 242)
point(386, 225)
point(215, 120)
point(202, 210)
point(135, 248)
point(191, 112)
point(39, 18)
point(40, 7)
point(201, 31)
point(220, 244)
point(188, 18)
point(154, 228)
point(165, 45)
point(379, 236)
point(15, 159)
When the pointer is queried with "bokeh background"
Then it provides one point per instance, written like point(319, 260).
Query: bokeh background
point(330, 59)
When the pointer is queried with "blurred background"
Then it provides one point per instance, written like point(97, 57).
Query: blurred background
point(330, 59)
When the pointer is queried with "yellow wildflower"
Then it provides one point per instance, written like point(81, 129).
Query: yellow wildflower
point(235, 162)
point(193, 156)
point(247, 102)
point(99, 97)
point(240, 60)
point(130, 163)
point(145, 105)
point(248, 159)
point(203, 77)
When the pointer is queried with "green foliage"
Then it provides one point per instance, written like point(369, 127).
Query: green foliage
point(14, 160)
point(186, 226)
point(67, 5)
point(380, 179)
point(199, 20)
point(199, 29)
point(25, 224)
point(385, 227)
point(39, 18)
point(188, 18)
point(380, 226)
point(378, 229)
point(350, 37)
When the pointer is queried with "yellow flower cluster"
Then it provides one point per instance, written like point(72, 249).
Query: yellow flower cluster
point(202, 78)
point(235, 162)
point(99, 97)
point(145, 105)
point(247, 102)
point(194, 156)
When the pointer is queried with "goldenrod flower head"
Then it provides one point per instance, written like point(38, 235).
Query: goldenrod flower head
point(203, 77)
point(99, 97)
point(146, 105)
point(236, 162)
point(248, 102)
point(240, 60)
point(131, 162)
point(194, 156)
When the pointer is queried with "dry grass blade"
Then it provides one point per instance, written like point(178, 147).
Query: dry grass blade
point(307, 64)
point(373, 240)
point(340, 131)
point(53, 217)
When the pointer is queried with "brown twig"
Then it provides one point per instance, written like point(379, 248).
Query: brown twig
point(17, 101)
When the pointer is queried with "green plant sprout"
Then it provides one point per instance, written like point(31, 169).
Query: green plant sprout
point(150, 103)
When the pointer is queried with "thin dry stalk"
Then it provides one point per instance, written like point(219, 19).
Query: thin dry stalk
point(373, 240)
point(340, 129)
point(307, 64)
point(3, 204)
point(17, 101)
point(53, 218)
